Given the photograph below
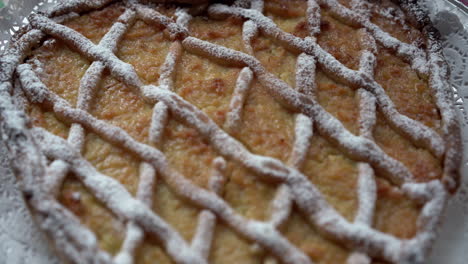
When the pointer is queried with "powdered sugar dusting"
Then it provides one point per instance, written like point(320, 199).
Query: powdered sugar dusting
point(203, 237)
point(80, 244)
point(367, 188)
point(249, 32)
point(159, 121)
point(416, 56)
point(443, 94)
point(361, 148)
point(238, 98)
point(257, 5)
point(134, 236)
point(77, 6)
point(150, 15)
point(58, 170)
point(273, 242)
point(367, 61)
point(361, 7)
point(77, 242)
point(117, 198)
point(434, 195)
point(168, 68)
point(281, 206)
point(183, 17)
point(160, 115)
point(119, 69)
point(313, 17)
point(417, 132)
point(367, 113)
point(305, 75)
point(306, 195)
point(87, 87)
point(282, 203)
point(249, 28)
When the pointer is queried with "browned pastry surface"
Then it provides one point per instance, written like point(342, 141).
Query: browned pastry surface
point(266, 128)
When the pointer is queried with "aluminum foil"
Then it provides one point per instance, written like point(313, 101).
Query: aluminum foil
point(22, 242)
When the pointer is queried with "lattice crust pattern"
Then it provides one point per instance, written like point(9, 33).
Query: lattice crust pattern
point(43, 160)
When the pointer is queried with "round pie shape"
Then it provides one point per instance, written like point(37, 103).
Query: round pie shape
point(245, 132)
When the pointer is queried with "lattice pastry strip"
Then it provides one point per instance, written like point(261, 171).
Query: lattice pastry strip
point(58, 168)
point(199, 196)
point(134, 236)
point(416, 131)
point(111, 194)
point(113, 133)
point(203, 237)
point(358, 147)
point(87, 88)
point(134, 233)
point(267, 172)
point(249, 32)
point(367, 189)
point(416, 56)
point(305, 195)
point(90, 175)
point(88, 83)
point(123, 71)
point(238, 98)
point(366, 183)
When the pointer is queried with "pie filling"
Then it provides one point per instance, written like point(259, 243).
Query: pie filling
point(248, 100)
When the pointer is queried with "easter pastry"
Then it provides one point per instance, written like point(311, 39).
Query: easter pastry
point(249, 131)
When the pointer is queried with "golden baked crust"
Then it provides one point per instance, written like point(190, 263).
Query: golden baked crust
point(390, 141)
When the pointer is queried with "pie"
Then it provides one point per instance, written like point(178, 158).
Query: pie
point(232, 132)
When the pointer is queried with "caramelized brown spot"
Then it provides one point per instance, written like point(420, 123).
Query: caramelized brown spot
point(301, 30)
point(325, 25)
point(72, 201)
point(235, 21)
point(217, 86)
